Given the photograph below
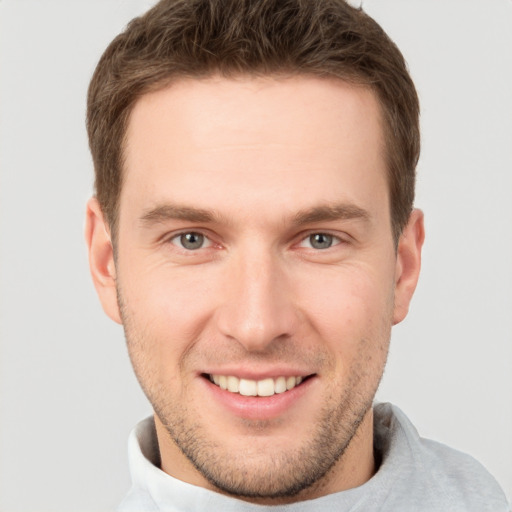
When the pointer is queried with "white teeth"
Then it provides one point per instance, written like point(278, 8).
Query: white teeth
point(266, 387)
point(280, 385)
point(233, 384)
point(290, 382)
point(248, 387)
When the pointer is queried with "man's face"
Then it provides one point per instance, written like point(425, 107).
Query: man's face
point(255, 251)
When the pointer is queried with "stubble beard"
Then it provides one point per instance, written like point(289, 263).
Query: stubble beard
point(270, 476)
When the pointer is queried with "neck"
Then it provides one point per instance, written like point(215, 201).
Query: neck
point(357, 464)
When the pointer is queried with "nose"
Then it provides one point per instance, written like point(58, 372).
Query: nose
point(258, 305)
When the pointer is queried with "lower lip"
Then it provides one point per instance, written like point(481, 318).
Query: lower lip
point(259, 407)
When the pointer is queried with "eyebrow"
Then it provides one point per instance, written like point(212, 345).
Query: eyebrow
point(332, 212)
point(324, 213)
point(165, 212)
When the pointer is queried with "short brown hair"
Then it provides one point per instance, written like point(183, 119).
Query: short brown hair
point(199, 38)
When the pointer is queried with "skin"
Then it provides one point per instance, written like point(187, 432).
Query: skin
point(272, 161)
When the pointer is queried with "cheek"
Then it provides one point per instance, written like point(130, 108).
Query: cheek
point(348, 306)
point(167, 309)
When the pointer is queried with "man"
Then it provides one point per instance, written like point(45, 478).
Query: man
point(253, 230)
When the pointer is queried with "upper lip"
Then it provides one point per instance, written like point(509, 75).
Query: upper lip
point(252, 373)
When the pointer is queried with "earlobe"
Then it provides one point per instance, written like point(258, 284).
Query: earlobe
point(101, 259)
point(408, 264)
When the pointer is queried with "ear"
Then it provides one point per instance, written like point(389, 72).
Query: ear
point(408, 264)
point(101, 259)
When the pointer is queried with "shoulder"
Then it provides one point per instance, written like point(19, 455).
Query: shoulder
point(462, 477)
point(434, 472)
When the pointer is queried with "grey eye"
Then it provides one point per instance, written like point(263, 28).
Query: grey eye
point(191, 241)
point(320, 241)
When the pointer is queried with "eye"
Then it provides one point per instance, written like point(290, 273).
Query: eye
point(191, 241)
point(320, 241)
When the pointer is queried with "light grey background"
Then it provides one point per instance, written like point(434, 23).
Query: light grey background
point(68, 398)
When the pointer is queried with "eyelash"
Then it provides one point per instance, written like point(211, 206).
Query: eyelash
point(334, 239)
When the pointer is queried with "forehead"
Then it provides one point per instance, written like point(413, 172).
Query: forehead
point(263, 139)
point(248, 104)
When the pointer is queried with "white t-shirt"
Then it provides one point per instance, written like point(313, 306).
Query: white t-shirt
point(415, 475)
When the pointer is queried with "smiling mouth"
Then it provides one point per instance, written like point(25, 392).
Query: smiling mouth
point(248, 387)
